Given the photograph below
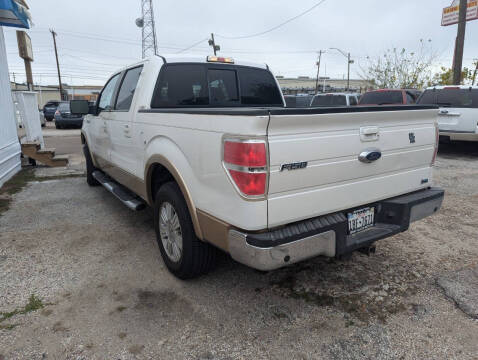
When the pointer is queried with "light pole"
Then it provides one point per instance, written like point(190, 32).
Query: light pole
point(349, 61)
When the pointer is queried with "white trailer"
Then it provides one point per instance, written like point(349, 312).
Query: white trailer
point(10, 149)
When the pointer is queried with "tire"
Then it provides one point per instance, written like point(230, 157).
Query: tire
point(196, 257)
point(90, 168)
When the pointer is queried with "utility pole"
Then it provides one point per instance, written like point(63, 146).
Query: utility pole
point(460, 43)
point(212, 43)
point(318, 71)
point(348, 71)
point(53, 33)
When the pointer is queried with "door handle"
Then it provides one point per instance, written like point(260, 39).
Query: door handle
point(369, 133)
point(127, 131)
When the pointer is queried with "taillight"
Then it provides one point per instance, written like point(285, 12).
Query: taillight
point(245, 161)
point(437, 142)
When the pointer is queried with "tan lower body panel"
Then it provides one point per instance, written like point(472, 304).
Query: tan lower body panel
point(214, 230)
point(126, 179)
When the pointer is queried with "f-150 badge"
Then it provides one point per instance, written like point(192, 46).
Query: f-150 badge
point(294, 166)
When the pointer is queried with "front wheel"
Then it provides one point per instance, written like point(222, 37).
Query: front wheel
point(183, 253)
point(90, 168)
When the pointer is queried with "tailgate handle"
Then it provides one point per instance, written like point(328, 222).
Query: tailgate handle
point(369, 133)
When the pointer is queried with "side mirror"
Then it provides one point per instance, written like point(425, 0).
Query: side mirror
point(82, 107)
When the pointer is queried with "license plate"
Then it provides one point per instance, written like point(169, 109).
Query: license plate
point(361, 219)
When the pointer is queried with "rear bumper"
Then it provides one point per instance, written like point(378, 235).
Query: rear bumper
point(328, 235)
point(76, 122)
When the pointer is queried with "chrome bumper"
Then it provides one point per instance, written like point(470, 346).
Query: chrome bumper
point(276, 257)
point(328, 235)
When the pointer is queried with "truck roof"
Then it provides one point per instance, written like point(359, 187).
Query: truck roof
point(180, 58)
point(202, 59)
point(441, 87)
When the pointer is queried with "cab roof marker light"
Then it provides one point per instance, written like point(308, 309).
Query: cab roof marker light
point(219, 59)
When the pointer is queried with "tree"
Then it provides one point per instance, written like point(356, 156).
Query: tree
point(400, 69)
point(445, 77)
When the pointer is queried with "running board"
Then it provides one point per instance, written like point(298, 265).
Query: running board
point(123, 194)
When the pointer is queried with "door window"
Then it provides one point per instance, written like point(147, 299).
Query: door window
point(106, 97)
point(128, 87)
point(353, 100)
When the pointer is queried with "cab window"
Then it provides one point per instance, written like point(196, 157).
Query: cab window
point(106, 97)
point(127, 89)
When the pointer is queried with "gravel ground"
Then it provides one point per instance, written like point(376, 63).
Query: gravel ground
point(101, 290)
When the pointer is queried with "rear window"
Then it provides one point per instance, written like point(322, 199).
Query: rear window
point(51, 103)
point(258, 87)
point(464, 98)
point(204, 85)
point(329, 100)
point(64, 107)
point(382, 98)
point(223, 87)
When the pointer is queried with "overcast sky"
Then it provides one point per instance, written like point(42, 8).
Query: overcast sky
point(96, 37)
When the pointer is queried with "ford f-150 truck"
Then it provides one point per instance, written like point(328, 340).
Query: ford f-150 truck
point(208, 144)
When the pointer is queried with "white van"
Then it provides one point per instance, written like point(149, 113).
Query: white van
point(458, 114)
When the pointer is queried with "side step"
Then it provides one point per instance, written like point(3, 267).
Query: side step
point(124, 195)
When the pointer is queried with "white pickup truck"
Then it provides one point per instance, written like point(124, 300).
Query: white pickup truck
point(208, 144)
point(458, 115)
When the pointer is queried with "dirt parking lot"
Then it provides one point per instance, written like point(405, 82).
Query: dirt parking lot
point(82, 278)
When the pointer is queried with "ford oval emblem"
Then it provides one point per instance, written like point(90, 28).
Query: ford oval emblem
point(370, 155)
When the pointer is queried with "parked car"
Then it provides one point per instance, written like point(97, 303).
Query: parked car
point(65, 119)
point(334, 99)
point(389, 97)
point(458, 114)
point(42, 118)
point(297, 101)
point(209, 145)
point(49, 109)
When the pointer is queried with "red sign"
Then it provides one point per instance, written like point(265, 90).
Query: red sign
point(450, 14)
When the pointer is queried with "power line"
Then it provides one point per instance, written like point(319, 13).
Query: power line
point(193, 45)
point(275, 27)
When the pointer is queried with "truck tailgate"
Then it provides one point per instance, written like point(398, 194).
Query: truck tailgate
point(334, 178)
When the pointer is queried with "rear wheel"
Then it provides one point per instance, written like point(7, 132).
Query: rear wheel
point(90, 168)
point(183, 253)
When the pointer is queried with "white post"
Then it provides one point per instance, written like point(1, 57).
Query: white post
point(10, 149)
point(41, 96)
